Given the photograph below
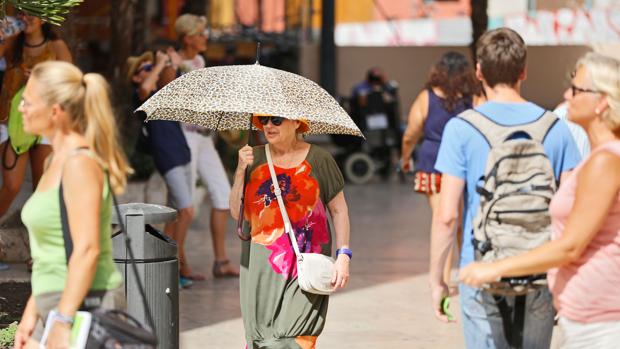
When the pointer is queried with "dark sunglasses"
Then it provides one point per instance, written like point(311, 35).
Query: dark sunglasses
point(577, 90)
point(275, 120)
point(22, 14)
point(147, 68)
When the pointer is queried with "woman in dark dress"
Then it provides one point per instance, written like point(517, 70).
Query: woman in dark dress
point(451, 88)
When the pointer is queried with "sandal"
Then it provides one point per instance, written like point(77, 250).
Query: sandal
point(190, 276)
point(194, 277)
point(223, 269)
point(185, 283)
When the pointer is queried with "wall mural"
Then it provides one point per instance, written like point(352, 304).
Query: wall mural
point(439, 23)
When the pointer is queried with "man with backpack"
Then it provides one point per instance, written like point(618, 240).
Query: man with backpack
point(507, 156)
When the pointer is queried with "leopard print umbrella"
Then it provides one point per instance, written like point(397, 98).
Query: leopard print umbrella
point(225, 97)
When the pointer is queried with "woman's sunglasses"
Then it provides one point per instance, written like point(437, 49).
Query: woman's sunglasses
point(147, 68)
point(275, 120)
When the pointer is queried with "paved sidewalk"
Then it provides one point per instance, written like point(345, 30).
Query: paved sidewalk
point(391, 315)
point(386, 304)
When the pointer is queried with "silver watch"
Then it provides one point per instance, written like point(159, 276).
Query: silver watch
point(65, 319)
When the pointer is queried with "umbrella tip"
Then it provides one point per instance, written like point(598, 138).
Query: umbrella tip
point(257, 53)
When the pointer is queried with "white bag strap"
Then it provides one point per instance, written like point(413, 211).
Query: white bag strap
point(276, 189)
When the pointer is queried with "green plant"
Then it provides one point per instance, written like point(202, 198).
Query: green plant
point(7, 336)
point(52, 11)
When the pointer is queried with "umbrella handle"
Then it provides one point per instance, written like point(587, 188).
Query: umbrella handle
point(240, 223)
point(245, 182)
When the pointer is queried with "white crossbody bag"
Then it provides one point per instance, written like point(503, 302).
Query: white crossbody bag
point(314, 270)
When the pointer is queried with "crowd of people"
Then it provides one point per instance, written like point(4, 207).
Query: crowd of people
point(516, 229)
point(184, 153)
point(527, 202)
point(70, 113)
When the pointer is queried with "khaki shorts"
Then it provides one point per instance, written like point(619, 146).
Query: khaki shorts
point(107, 299)
point(179, 184)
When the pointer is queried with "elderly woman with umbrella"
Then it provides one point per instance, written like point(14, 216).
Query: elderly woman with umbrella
point(275, 309)
point(277, 312)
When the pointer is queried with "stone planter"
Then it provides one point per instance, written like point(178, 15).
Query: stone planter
point(13, 235)
point(14, 245)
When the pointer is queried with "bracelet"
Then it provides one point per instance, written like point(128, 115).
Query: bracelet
point(57, 316)
point(346, 251)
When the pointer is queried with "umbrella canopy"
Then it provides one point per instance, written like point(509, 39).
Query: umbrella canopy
point(225, 98)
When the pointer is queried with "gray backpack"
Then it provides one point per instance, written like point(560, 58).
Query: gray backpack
point(515, 192)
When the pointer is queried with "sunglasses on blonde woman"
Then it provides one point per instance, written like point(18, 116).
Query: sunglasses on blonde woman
point(275, 120)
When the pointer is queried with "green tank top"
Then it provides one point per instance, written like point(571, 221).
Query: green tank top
point(41, 216)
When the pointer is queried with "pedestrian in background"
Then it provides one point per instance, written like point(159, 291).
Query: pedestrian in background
point(375, 110)
point(584, 257)
point(36, 43)
point(462, 159)
point(450, 89)
point(166, 143)
point(579, 134)
point(276, 312)
point(73, 111)
point(206, 163)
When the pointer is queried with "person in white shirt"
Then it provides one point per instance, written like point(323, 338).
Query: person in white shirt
point(206, 162)
point(579, 134)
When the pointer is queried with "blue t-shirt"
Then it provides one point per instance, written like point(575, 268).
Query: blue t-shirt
point(463, 154)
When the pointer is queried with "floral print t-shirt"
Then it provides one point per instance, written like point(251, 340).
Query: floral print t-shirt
point(276, 312)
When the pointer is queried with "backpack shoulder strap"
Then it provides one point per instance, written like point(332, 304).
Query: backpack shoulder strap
point(539, 128)
point(492, 132)
point(496, 134)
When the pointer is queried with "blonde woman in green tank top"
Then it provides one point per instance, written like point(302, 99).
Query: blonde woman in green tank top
point(73, 111)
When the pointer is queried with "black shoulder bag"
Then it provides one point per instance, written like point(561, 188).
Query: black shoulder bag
point(113, 328)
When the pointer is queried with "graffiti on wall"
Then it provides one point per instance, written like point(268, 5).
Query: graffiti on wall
point(409, 23)
point(566, 26)
point(412, 32)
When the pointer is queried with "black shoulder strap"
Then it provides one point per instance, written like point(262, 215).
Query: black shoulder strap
point(66, 234)
point(513, 320)
point(64, 220)
point(7, 145)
